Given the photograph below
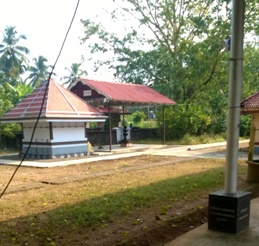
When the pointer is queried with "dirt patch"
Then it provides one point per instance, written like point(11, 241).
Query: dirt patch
point(76, 172)
point(146, 226)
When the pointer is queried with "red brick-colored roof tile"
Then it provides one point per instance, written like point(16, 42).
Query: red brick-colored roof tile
point(250, 104)
point(126, 92)
point(59, 103)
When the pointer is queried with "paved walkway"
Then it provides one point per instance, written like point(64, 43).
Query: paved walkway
point(199, 151)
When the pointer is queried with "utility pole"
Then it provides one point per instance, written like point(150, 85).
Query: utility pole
point(229, 209)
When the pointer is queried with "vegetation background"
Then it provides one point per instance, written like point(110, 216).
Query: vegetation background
point(178, 49)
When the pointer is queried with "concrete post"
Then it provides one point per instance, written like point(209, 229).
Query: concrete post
point(235, 84)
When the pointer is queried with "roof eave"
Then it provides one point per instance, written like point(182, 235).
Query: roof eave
point(119, 102)
point(245, 110)
point(56, 119)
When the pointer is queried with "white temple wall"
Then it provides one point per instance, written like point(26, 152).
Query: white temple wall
point(70, 131)
point(41, 133)
point(63, 139)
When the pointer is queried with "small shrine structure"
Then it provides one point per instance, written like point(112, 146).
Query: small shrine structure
point(61, 125)
point(251, 106)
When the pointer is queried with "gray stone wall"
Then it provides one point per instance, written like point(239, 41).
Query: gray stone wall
point(50, 152)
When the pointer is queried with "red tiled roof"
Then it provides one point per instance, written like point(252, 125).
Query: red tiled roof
point(250, 104)
point(59, 103)
point(126, 92)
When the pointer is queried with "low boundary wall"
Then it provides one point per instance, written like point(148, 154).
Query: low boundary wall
point(99, 138)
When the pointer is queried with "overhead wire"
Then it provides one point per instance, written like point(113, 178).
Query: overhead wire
point(43, 101)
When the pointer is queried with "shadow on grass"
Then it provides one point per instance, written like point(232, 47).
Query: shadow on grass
point(45, 228)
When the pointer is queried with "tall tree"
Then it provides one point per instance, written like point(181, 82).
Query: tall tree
point(185, 42)
point(38, 72)
point(74, 73)
point(182, 55)
point(9, 96)
point(13, 60)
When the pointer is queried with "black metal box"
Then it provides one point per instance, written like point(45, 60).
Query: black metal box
point(229, 213)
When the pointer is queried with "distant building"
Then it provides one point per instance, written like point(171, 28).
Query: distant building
point(112, 95)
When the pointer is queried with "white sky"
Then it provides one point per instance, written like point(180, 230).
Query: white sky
point(45, 23)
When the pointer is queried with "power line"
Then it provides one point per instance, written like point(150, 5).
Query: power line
point(42, 104)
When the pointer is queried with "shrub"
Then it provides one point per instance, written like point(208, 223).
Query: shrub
point(138, 116)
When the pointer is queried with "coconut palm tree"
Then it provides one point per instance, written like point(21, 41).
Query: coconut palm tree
point(75, 73)
point(38, 72)
point(13, 60)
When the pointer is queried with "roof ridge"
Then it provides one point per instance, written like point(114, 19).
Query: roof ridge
point(47, 94)
point(37, 93)
point(255, 94)
point(79, 98)
point(114, 82)
point(69, 102)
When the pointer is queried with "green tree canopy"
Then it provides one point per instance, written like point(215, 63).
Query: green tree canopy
point(13, 60)
point(74, 73)
point(181, 55)
point(39, 72)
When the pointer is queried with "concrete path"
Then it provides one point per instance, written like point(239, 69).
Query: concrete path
point(198, 151)
point(201, 236)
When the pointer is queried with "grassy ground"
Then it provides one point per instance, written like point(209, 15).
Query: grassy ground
point(187, 140)
point(108, 209)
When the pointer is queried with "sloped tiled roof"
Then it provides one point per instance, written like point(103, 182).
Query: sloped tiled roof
point(250, 104)
point(59, 103)
point(126, 92)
